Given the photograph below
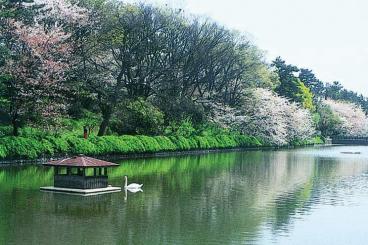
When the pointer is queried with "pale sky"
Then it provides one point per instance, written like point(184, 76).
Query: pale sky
point(328, 36)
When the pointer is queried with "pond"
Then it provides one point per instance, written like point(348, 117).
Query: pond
point(299, 196)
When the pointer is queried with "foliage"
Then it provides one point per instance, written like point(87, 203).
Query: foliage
point(354, 121)
point(3, 152)
point(305, 97)
point(329, 123)
point(60, 145)
point(310, 80)
point(31, 148)
point(5, 131)
point(41, 54)
point(138, 117)
point(272, 118)
point(81, 146)
point(291, 86)
point(19, 147)
point(142, 70)
point(313, 141)
point(179, 60)
point(178, 109)
point(165, 143)
point(184, 128)
point(336, 91)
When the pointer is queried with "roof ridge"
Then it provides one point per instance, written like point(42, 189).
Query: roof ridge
point(80, 161)
point(83, 162)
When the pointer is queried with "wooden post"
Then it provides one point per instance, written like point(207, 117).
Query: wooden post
point(94, 172)
point(100, 171)
point(68, 171)
point(105, 171)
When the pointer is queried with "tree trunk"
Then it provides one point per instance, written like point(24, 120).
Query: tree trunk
point(15, 127)
point(104, 124)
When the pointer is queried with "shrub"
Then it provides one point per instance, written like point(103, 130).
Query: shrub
point(212, 142)
point(3, 152)
point(193, 144)
point(227, 141)
point(246, 141)
point(134, 143)
point(149, 143)
point(138, 117)
point(5, 131)
point(30, 148)
point(22, 147)
point(110, 144)
point(165, 143)
point(318, 140)
point(102, 145)
point(202, 142)
point(184, 128)
point(59, 145)
point(180, 142)
point(313, 141)
point(47, 147)
point(28, 132)
point(81, 146)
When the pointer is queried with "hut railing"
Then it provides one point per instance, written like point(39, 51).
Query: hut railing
point(80, 182)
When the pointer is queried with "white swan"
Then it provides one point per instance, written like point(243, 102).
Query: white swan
point(132, 186)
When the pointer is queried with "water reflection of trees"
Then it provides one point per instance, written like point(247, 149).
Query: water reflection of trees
point(208, 198)
point(25, 177)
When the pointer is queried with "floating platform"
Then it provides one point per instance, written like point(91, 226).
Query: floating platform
point(83, 192)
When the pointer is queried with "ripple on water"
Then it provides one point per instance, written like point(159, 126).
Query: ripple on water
point(258, 197)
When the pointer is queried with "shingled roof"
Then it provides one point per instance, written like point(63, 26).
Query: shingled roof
point(81, 162)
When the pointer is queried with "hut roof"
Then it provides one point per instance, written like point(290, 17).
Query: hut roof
point(81, 162)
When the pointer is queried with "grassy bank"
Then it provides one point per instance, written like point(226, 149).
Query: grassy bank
point(36, 147)
point(32, 148)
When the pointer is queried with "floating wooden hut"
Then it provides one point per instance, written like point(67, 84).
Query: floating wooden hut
point(72, 175)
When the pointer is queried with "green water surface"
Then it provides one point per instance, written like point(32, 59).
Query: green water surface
point(301, 196)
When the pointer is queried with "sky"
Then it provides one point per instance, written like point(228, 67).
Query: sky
point(329, 37)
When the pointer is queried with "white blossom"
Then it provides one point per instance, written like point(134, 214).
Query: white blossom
point(354, 121)
point(62, 9)
point(267, 116)
point(300, 123)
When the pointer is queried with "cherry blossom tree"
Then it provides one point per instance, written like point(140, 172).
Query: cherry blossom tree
point(40, 55)
point(61, 11)
point(300, 123)
point(264, 114)
point(353, 120)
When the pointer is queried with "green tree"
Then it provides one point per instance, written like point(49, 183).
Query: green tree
point(291, 86)
point(305, 97)
point(139, 51)
point(138, 117)
point(329, 123)
point(315, 85)
point(333, 91)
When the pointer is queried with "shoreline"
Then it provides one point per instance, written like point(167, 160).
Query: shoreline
point(132, 156)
